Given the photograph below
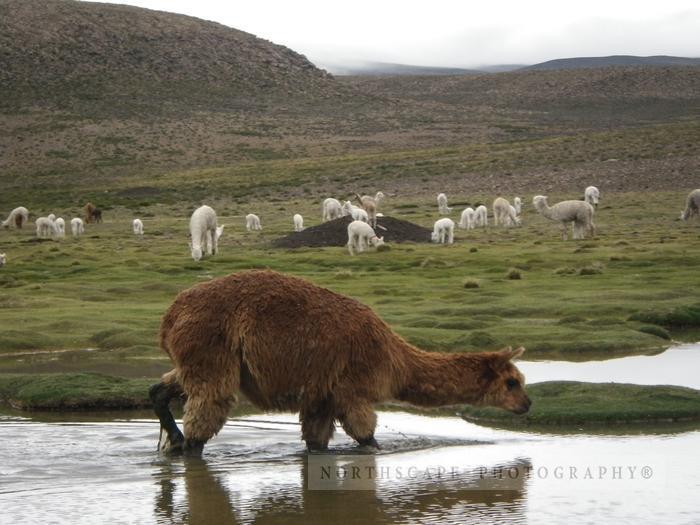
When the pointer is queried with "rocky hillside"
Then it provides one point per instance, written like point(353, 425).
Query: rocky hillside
point(69, 54)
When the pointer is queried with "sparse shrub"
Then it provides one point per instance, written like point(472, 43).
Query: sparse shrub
point(658, 331)
point(345, 273)
point(383, 248)
point(565, 270)
point(473, 250)
point(470, 283)
point(615, 258)
point(514, 274)
point(432, 262)
point(592, 269)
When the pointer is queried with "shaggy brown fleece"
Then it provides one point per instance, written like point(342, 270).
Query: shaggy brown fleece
point(288, 344)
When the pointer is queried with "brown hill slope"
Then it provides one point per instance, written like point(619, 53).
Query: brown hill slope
point(68, 54)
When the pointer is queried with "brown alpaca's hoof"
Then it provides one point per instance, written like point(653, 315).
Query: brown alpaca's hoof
point(193, 447)
point(172, 444)
point(313, 446)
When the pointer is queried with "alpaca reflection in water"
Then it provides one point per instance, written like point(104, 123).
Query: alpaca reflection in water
point(195, 491)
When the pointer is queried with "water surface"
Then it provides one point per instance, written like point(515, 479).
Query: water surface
point(256, 471)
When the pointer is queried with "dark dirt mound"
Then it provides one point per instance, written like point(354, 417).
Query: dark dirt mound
point(335, 233)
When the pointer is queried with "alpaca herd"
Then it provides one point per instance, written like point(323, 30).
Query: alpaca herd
point(205, 232)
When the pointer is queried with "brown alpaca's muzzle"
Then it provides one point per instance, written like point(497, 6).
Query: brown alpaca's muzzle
point(524, 407)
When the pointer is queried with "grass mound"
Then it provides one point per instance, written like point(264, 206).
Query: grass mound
point(335, 233)
point(74, 392)
point(570, 403)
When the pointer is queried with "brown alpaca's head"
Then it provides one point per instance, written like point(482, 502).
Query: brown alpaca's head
point(505, 385)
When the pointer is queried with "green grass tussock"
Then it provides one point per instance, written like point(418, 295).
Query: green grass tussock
point(582, 405)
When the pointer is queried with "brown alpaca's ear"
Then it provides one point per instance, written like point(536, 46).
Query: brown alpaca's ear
point(508, 353)
point(515, 354)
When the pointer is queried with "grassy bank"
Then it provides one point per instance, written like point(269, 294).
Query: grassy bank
point(629, 291)
point(68, 392)
point(595, 405)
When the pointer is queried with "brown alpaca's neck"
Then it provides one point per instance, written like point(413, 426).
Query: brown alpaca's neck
point(435, 379)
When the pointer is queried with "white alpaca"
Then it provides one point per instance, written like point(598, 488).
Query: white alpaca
point(442, 204)
point(591, 195)
point(357, 213)
point(692, 205)
point(370, 205)
point(203, 232)
point(513, 219)
point(60, 227)
point(504, 214)
point(481, 218)
point(252, 222)
point(443, 231)
point(579, 213)
point(518, 205)
point(77, 227)
point(298, 222)
point(45, 228)
point(219, 231)
point(331, 209)
point(16, 218)
point(137, 226)
point(467, 219)
point(361, 236)
point(3, 259)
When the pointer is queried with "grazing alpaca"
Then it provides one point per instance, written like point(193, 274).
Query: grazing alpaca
point(17, 217)
point(442, 204)
point(579, 213)
point(518, 205)
point(92, 213)
point(137, 226)
point(45, 228)
point(504, 214)
point(288, 344)
point(331, 209)
point(203, 232)
point(77, 227)
point(361, 236)
point(357, 213)
point(370, 205)
point(591, 195)
point(692, 205)
point(3, 259)
point(252, 222)
point(481, 217)
point(60, 226)
point(443, 231)
point(467, 219)
point(298, 221)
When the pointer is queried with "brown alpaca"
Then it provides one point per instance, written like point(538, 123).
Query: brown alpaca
point(370, 205)
point(288, 344)
point(89, 210)
point(92, 213)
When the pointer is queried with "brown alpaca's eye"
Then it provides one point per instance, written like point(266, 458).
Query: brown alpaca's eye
point(512, 383)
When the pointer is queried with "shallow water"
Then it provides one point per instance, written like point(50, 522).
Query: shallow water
point(256, 471)
point(676, 366)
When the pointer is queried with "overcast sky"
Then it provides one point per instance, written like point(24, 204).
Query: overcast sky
point(457, 33)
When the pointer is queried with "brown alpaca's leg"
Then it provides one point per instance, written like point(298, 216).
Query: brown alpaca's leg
point(317, 426)
point(204, 417)
point(160, 395)
point(359, 422)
